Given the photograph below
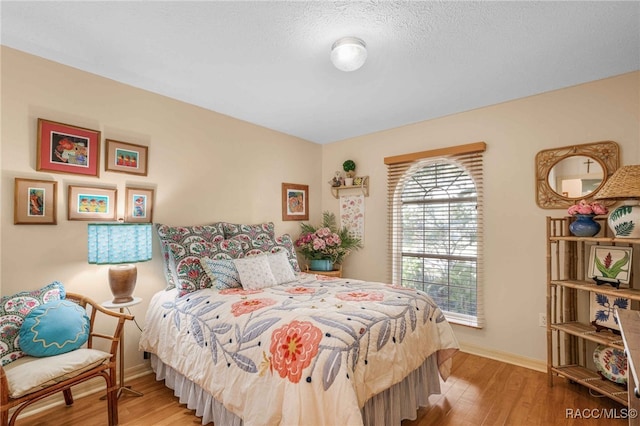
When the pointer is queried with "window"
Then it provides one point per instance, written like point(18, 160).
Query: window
point(435, 213)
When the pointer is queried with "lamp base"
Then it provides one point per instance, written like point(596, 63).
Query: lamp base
point(122, 281)
point(624, 221)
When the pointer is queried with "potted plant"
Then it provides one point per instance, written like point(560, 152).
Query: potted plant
point(326, 245)
point(349, 167)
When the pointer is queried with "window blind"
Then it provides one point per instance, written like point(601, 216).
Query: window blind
point(435, 223)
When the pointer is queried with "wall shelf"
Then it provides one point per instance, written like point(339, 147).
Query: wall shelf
point(363, 187)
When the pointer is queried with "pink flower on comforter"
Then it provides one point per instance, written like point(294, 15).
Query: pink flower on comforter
point(293, 347)
point(356, 296)
point(247, 306)
point(240, 291)
point(301, 290)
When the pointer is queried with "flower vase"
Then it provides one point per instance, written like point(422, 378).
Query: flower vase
point(321, 265)
point(584, 226)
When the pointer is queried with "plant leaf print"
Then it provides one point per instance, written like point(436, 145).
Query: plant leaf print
point(607, 269)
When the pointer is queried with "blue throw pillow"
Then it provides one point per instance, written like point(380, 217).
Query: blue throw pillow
point(54, 328)
point(14, 309)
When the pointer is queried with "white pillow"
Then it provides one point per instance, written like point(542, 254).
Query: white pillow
point(281, 267)
point(254, 272)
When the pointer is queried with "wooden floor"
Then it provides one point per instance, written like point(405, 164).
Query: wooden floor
point(480, 391)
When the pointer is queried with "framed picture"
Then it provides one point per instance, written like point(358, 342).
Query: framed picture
point(123, 157)
point(295, 201)
point(63, 148)
point(610, 264)
point(35, 202)
point(90, 203)
point(139, 205)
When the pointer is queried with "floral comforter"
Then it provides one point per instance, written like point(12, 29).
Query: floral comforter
point(308, 352)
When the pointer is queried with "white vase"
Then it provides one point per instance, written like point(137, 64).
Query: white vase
point(624, 221)
point(348, 181)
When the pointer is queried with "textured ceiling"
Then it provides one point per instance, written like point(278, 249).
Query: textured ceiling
point(268, 62)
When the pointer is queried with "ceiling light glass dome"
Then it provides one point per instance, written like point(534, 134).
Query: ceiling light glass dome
point(348, 53)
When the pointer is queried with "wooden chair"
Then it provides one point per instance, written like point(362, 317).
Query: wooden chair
point(104, 366)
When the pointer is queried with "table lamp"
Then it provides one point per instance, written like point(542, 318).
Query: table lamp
point(120, 245)
point(623, 185)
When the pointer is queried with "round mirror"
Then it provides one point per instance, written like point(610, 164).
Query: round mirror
point(565, 175)
point(576, 176)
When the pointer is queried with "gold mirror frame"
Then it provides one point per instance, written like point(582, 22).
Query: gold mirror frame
point(606, 153)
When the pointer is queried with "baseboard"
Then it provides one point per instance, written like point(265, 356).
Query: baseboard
point(85, 389)
point(509, 358)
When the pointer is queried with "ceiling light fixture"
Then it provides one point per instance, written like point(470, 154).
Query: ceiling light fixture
point(348, 53)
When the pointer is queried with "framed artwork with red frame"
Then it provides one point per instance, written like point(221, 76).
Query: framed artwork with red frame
point(63, 148)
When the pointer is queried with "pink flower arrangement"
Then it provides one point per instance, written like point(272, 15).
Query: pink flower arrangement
point(321, 244)
point(587, 208)
point(327, 241)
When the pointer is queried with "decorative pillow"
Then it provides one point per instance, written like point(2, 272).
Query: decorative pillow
point(222, 272)
point(14, 309)
point(282, 243)
point(280, 267)
point(262, 231)
point(54, 328)
point(184, 236)
point(190, 274)
point(255, 272)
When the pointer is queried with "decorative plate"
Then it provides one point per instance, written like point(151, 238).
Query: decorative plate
point(612, 363)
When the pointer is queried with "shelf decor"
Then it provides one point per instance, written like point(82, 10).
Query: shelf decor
point(584, 225)
point(610, 264)
point(611, 363)
point(64, 148)
point(624, 186)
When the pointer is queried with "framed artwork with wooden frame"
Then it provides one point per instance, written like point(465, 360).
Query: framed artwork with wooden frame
point(92, 203)
point(124, 157)
point(63, 148)
point(35, 202)
point(138, 205)
point(295, 201)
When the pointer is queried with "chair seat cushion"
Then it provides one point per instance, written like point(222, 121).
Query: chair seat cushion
point(30, 374)
point(54, 328)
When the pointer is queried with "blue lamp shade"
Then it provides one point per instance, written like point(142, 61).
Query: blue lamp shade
point(114, 243)
point(120, 245)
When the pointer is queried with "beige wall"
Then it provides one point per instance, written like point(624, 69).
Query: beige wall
point(209, 167)
point(204, 167)
point(514, 225)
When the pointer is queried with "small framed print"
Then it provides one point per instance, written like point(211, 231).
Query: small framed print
point(295, 202)
point(64, 148)
point(138, 205)
point(123, 157)
point(90, 203)
point(35, 202)
point(610, 264)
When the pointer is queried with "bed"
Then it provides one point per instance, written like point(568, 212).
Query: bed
point(310, 351)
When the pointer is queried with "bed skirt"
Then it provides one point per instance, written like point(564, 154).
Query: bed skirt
point(390, 407)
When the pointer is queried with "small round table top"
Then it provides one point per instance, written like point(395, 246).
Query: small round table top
point(110, 305)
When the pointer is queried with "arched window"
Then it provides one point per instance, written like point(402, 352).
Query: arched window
point(436, 230)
